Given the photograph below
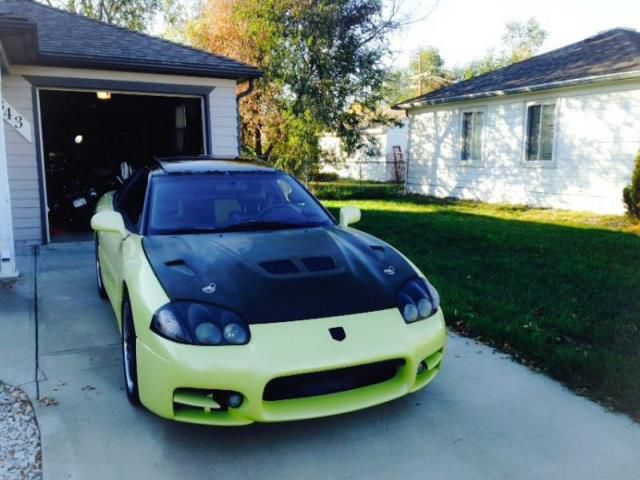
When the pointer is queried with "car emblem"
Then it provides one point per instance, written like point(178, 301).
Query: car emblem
point(338, 334)
point(211, 288)
point(390, 270)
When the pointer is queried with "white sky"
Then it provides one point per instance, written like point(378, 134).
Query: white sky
point(463, 30)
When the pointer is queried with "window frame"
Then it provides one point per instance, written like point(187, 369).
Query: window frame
point(121, 195)
point(525, 134)
point(472, 162)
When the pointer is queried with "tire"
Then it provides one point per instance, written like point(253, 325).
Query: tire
point(129, 360)
point(101, 291)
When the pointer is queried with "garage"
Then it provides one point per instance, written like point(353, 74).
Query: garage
point(86, 104)
point(94, 140)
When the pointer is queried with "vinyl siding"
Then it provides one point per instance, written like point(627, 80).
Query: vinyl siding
point(361, 166)
point(597, 136)
point(22, 165)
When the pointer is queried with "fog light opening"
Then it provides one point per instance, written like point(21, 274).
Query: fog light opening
point(422, 368)
point(234, 400)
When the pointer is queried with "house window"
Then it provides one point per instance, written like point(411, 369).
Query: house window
point(540, 127)
point(472, 127)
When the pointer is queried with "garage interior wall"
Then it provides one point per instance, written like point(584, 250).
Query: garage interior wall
point(25, 167)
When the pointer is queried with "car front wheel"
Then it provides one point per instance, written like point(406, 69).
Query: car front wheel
point(129, 354)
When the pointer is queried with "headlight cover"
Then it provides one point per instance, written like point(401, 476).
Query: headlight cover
point(417, 300)
point(200, 324)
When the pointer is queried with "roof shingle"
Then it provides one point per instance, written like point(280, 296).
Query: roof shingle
point(615, 51)
point(67, 39)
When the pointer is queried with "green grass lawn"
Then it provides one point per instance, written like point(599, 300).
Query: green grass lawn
point(559, 290)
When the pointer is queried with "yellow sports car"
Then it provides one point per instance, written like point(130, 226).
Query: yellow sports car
point(241, 299)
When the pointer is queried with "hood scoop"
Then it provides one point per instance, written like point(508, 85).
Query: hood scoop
point(288, 267)
point(280, 267)
point(179, 265)
point(318, 264)
point(378, 251)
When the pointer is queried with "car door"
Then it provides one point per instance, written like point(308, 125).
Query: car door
point(129, 203)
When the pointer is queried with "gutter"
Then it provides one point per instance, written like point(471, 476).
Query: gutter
point(248, 91)
point(410, 104)
point(239, 97)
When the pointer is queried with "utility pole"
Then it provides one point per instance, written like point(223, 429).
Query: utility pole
point(420, 90)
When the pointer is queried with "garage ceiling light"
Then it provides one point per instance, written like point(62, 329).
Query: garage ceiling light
point(103, 95)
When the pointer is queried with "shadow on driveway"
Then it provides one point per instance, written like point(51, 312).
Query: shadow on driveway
point(483, 417)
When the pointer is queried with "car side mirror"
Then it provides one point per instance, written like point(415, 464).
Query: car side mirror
point(349, 215)
point(109, 222)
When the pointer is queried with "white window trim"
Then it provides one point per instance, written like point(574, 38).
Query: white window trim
point(472, 162)
point(525, 119)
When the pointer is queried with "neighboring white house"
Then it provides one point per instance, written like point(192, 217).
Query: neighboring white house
point(83, 101)
point(380, 159)
point(559, 130)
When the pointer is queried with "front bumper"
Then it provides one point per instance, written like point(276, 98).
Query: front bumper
point(284, 349)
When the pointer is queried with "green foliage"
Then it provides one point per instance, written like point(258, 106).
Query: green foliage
point(631, 193)
point(426, 68)
point(298, 149)
point(132, 14)
point(521, 40)
point(551, 287)
point(325, 57)
point(354, 190)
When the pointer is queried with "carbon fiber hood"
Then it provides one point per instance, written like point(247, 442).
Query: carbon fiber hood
point(283, 275)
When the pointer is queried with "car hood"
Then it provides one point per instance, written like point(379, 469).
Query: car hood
point(279, 276)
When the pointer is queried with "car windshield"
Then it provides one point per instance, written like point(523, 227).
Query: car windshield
point(208, 203)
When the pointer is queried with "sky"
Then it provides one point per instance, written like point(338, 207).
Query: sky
point(463, 30)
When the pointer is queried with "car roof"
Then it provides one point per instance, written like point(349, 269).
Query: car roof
point(209, 164)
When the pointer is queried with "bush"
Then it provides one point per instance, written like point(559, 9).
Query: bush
point(631, 194)
point(324, 177)
point(355, 190)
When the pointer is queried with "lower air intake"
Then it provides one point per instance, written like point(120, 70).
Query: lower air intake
point(330, 381)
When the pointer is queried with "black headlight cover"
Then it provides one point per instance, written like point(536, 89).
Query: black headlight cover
point(200, 324)
point(411, 294)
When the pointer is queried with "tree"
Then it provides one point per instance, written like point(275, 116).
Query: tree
point(426, 72)
point(132, 14)
point(521, 40)
point(323, 64)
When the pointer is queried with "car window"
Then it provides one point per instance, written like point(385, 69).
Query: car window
point(231, 202)
point(131, 201)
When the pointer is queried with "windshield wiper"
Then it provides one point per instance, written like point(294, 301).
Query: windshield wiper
point(258, 225)
point(241, 227)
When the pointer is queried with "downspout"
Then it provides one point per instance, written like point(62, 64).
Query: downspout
point(408, 154)
point(239, 97)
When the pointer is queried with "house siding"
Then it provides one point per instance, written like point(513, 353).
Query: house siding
point(361, 166)
point(597, 137)
point(24, 185)
point(24, 166)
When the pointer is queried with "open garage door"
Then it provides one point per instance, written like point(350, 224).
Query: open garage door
point(93, 141)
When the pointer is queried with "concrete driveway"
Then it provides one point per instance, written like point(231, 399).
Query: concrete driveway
point(484, 417)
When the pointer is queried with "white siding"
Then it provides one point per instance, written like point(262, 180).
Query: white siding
point(364, 167)
point(223, 119)
point(597, 136)
point(22, 165)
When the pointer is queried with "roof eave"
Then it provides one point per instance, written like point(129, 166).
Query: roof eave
point(238, 73)
point(423, 102)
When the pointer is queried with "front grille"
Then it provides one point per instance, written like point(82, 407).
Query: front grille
point(330, 381)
